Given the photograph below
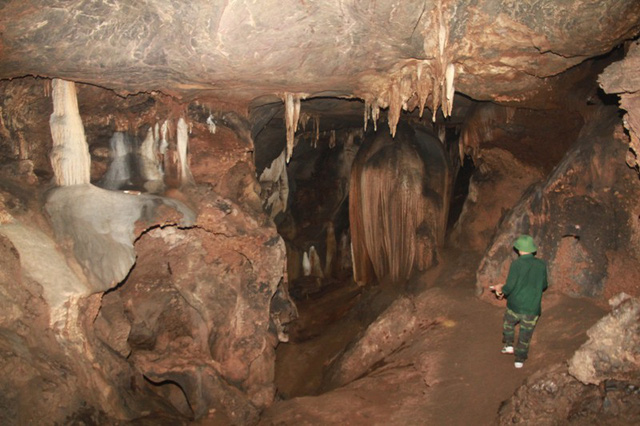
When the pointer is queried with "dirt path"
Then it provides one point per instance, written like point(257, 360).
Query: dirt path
point(450, 373)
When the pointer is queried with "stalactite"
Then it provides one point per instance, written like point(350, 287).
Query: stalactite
point(304, 120)
point(164, 143)
point(375, 114)
point(395, 107)
point(46, 87)
point(70, 157)
point(449, 92)
point(424, 85)
point(396, 208)
point(292, 116)
point(150, 167)
point(332, 139)
point(443, 68)
point(480, 125)
point(367, 112)
point(316, 125)
point(275, 186)
point(182, 137)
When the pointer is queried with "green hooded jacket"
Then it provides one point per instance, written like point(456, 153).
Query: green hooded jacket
point(526, 281)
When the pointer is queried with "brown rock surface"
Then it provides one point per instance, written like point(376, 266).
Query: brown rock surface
point(580, 216)
point(243, 50)
point(613, 349)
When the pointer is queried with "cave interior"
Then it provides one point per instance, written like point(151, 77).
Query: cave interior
point(249, 213)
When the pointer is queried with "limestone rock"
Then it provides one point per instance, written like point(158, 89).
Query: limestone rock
point(499, 49)
point(552, 396)
point(613, 349)
point(622, 78)
point(385, 335)
point(100, 226)
point(196, 310)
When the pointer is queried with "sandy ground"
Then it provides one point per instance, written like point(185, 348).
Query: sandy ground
point(450, 372)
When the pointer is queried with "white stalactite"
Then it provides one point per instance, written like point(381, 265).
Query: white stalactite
point(449, 77)
point(150, 167)
point(164, 144)
point(70, 157)
point(292, 116)
point(183, 143)
point(275, 186)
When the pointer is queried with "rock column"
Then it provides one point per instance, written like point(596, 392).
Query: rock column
point(70, 157)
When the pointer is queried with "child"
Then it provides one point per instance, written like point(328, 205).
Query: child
point(526, 281)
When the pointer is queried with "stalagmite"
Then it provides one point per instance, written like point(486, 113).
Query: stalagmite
point(332, 246)
point(70, 157)
point(344, 254)
point(183, 142)
point(211, 124)
point(120, 171)
point(315, 265)
point(332, 139)
point(306, 265)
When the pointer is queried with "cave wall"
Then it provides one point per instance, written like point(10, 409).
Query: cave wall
point(126, 304)
point(582, 216)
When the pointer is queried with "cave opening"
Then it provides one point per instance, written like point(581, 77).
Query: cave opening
point(460, 191)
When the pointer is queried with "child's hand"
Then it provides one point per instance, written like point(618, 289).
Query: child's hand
point(497, 290)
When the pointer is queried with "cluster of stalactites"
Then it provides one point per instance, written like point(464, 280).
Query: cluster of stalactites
point(292, 117)
point(414, 81)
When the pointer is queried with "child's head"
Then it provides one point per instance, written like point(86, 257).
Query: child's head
point(525, 245)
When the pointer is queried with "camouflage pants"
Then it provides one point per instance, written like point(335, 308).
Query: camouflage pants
point(527, 325)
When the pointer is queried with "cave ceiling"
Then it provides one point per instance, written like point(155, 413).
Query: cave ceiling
point(253, 52)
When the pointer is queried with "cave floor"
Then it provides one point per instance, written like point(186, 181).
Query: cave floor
point(450, 372)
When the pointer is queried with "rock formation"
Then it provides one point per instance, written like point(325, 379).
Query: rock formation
point(165, 167)
point(398, 193)
point(610, 358)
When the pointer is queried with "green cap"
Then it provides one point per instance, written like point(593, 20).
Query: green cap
point(525, 244)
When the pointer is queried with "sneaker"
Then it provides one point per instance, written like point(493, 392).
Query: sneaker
point(507, 350)
point(518, 364)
